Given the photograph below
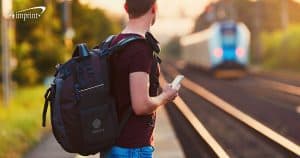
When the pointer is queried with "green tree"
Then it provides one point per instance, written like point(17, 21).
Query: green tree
point(92, 25)
point(40, 43)
point(39, 46)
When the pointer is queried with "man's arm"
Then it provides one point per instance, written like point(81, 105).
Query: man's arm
point(142, 103)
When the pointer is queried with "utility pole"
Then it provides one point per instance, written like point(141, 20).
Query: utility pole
point(284, 14)
point(257, 40)
point(67, 19)
point(5, 38)
point(256, 31)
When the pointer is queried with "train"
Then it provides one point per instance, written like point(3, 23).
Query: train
point(222, 48)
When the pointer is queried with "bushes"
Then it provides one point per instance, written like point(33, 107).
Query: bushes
point(20, 123)
point(281, 49)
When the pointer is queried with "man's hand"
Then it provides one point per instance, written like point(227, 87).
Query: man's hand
point(170, 93)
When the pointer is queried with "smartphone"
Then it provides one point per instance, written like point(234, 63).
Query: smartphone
point(175, 83)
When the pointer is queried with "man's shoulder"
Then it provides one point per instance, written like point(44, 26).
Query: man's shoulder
point(139, 42)
point(139, 45)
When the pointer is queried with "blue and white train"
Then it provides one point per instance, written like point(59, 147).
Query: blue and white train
point(223, 46)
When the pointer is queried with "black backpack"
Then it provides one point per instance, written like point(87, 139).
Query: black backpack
point(83, 111)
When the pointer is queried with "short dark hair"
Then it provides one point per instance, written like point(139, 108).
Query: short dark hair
point(137, 8)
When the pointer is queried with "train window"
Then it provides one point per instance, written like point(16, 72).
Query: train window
point(228, 36)
point(228, 32)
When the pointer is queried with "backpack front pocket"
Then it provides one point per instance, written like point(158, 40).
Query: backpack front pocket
point(99, 124)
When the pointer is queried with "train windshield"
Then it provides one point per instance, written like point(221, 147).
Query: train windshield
point(229, 35)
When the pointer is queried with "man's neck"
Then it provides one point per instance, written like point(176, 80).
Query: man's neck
point(138, 26)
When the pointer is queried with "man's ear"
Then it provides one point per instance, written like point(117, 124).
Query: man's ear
point(126, 7)
point(154, 8)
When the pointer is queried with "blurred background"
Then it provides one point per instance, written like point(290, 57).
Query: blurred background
point(30, 49)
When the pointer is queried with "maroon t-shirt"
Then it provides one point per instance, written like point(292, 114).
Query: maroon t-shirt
point(135, 57)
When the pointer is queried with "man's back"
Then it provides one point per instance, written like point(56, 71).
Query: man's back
point(136, 57)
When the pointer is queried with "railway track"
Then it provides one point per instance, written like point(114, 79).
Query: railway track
point(290, 89)
point(239, 134)
point(216, 149)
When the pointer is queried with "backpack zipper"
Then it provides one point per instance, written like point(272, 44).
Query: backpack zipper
point(87, 89)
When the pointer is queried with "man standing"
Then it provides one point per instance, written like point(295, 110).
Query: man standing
point(135, 83)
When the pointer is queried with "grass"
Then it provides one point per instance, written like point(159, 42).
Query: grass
point(20, 122)
point(281, 49)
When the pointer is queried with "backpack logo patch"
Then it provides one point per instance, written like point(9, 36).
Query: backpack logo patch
point(97, 123)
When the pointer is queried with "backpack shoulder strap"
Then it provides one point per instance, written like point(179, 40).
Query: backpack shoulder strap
point(106, 47)
point(106, 43)
point(125, 119)
point(124, 42)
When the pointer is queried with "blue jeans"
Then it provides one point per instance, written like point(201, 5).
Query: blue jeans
point(119, 152)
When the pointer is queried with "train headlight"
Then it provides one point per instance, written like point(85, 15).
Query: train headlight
point(240, 52)
point(218, 52)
